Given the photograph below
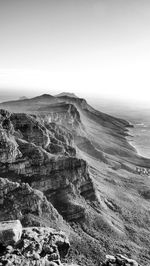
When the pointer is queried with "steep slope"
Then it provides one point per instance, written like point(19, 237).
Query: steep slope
point(30, 206)
point(81, 160)
point(103, 133)
point(43, 157)
point(26, 105)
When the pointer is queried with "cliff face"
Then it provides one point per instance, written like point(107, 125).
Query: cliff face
point(42, 155)
point(39, 131)
point(30, 206)
point(69, 165)
point(62, 113)
point(31, 130)
point(9, 151)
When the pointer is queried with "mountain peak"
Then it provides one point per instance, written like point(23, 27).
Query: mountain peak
point(69, 94)
point(23, 98)
point(44, 96)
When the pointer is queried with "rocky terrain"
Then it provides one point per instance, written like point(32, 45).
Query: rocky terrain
point(67, 166)
point(119, 260)
point(39, 246)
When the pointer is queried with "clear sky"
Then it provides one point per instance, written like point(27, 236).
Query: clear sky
point(94, 48)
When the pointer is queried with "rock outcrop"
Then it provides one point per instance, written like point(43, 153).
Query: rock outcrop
point(41, 132)
point(38, 246)
point(9, 151)
point(20, 201)
point(31, 129)
point(62, 113)
point(119, 260)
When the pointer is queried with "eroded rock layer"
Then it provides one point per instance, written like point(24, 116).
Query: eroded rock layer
point(43, 156)
point(30, 206)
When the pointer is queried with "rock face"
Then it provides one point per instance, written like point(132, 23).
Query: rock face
point(119, 260)
point(65, 164)
point(20, 201)
point(9, 151)
point(10, 232)
point(37, 246)
point(63, 113)
point(31, 130)
point(44, 157)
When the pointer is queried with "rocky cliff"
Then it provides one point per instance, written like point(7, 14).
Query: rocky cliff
point(30, 206)
point(42, 155)
point(66, 165)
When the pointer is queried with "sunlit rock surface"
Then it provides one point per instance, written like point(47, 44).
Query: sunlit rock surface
point(119, 260)
point(10, 232)
point(40, 246)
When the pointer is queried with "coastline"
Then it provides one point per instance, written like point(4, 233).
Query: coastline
point(131, 140)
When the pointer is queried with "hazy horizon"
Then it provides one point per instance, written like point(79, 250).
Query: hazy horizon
point(96, 49)
point(105, 104)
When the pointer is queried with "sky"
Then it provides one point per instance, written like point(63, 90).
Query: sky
point(94, 48)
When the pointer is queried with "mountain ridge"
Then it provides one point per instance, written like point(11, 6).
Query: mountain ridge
point(81, 161)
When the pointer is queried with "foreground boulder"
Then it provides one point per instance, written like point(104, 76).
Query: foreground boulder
point(41, 246)
point(119, 260)
point(10, 232)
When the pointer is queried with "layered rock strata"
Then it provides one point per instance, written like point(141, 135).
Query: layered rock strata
point(20, 201)
point(44, 157)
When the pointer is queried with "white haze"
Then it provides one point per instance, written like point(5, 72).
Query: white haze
point(96, 49)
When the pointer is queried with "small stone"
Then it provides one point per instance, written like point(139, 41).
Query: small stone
point(119, 260)
point(110, 258)
point(28, 254)
point(50, 263)
point(126, 260)
point(54, 256)
point(51, 250)
point(47, 249)
point(9, 249)
point(36, 256)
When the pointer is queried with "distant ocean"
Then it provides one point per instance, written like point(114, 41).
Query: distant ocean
point(139, 117)
point(141, 137)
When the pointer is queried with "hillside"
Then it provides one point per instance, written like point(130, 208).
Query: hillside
point(80, 170)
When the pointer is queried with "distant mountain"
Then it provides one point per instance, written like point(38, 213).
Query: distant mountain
point(66, 94)
point(81, 161)
point(23, 98)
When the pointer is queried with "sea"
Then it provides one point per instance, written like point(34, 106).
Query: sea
point(138, 116)
point(140, 137)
